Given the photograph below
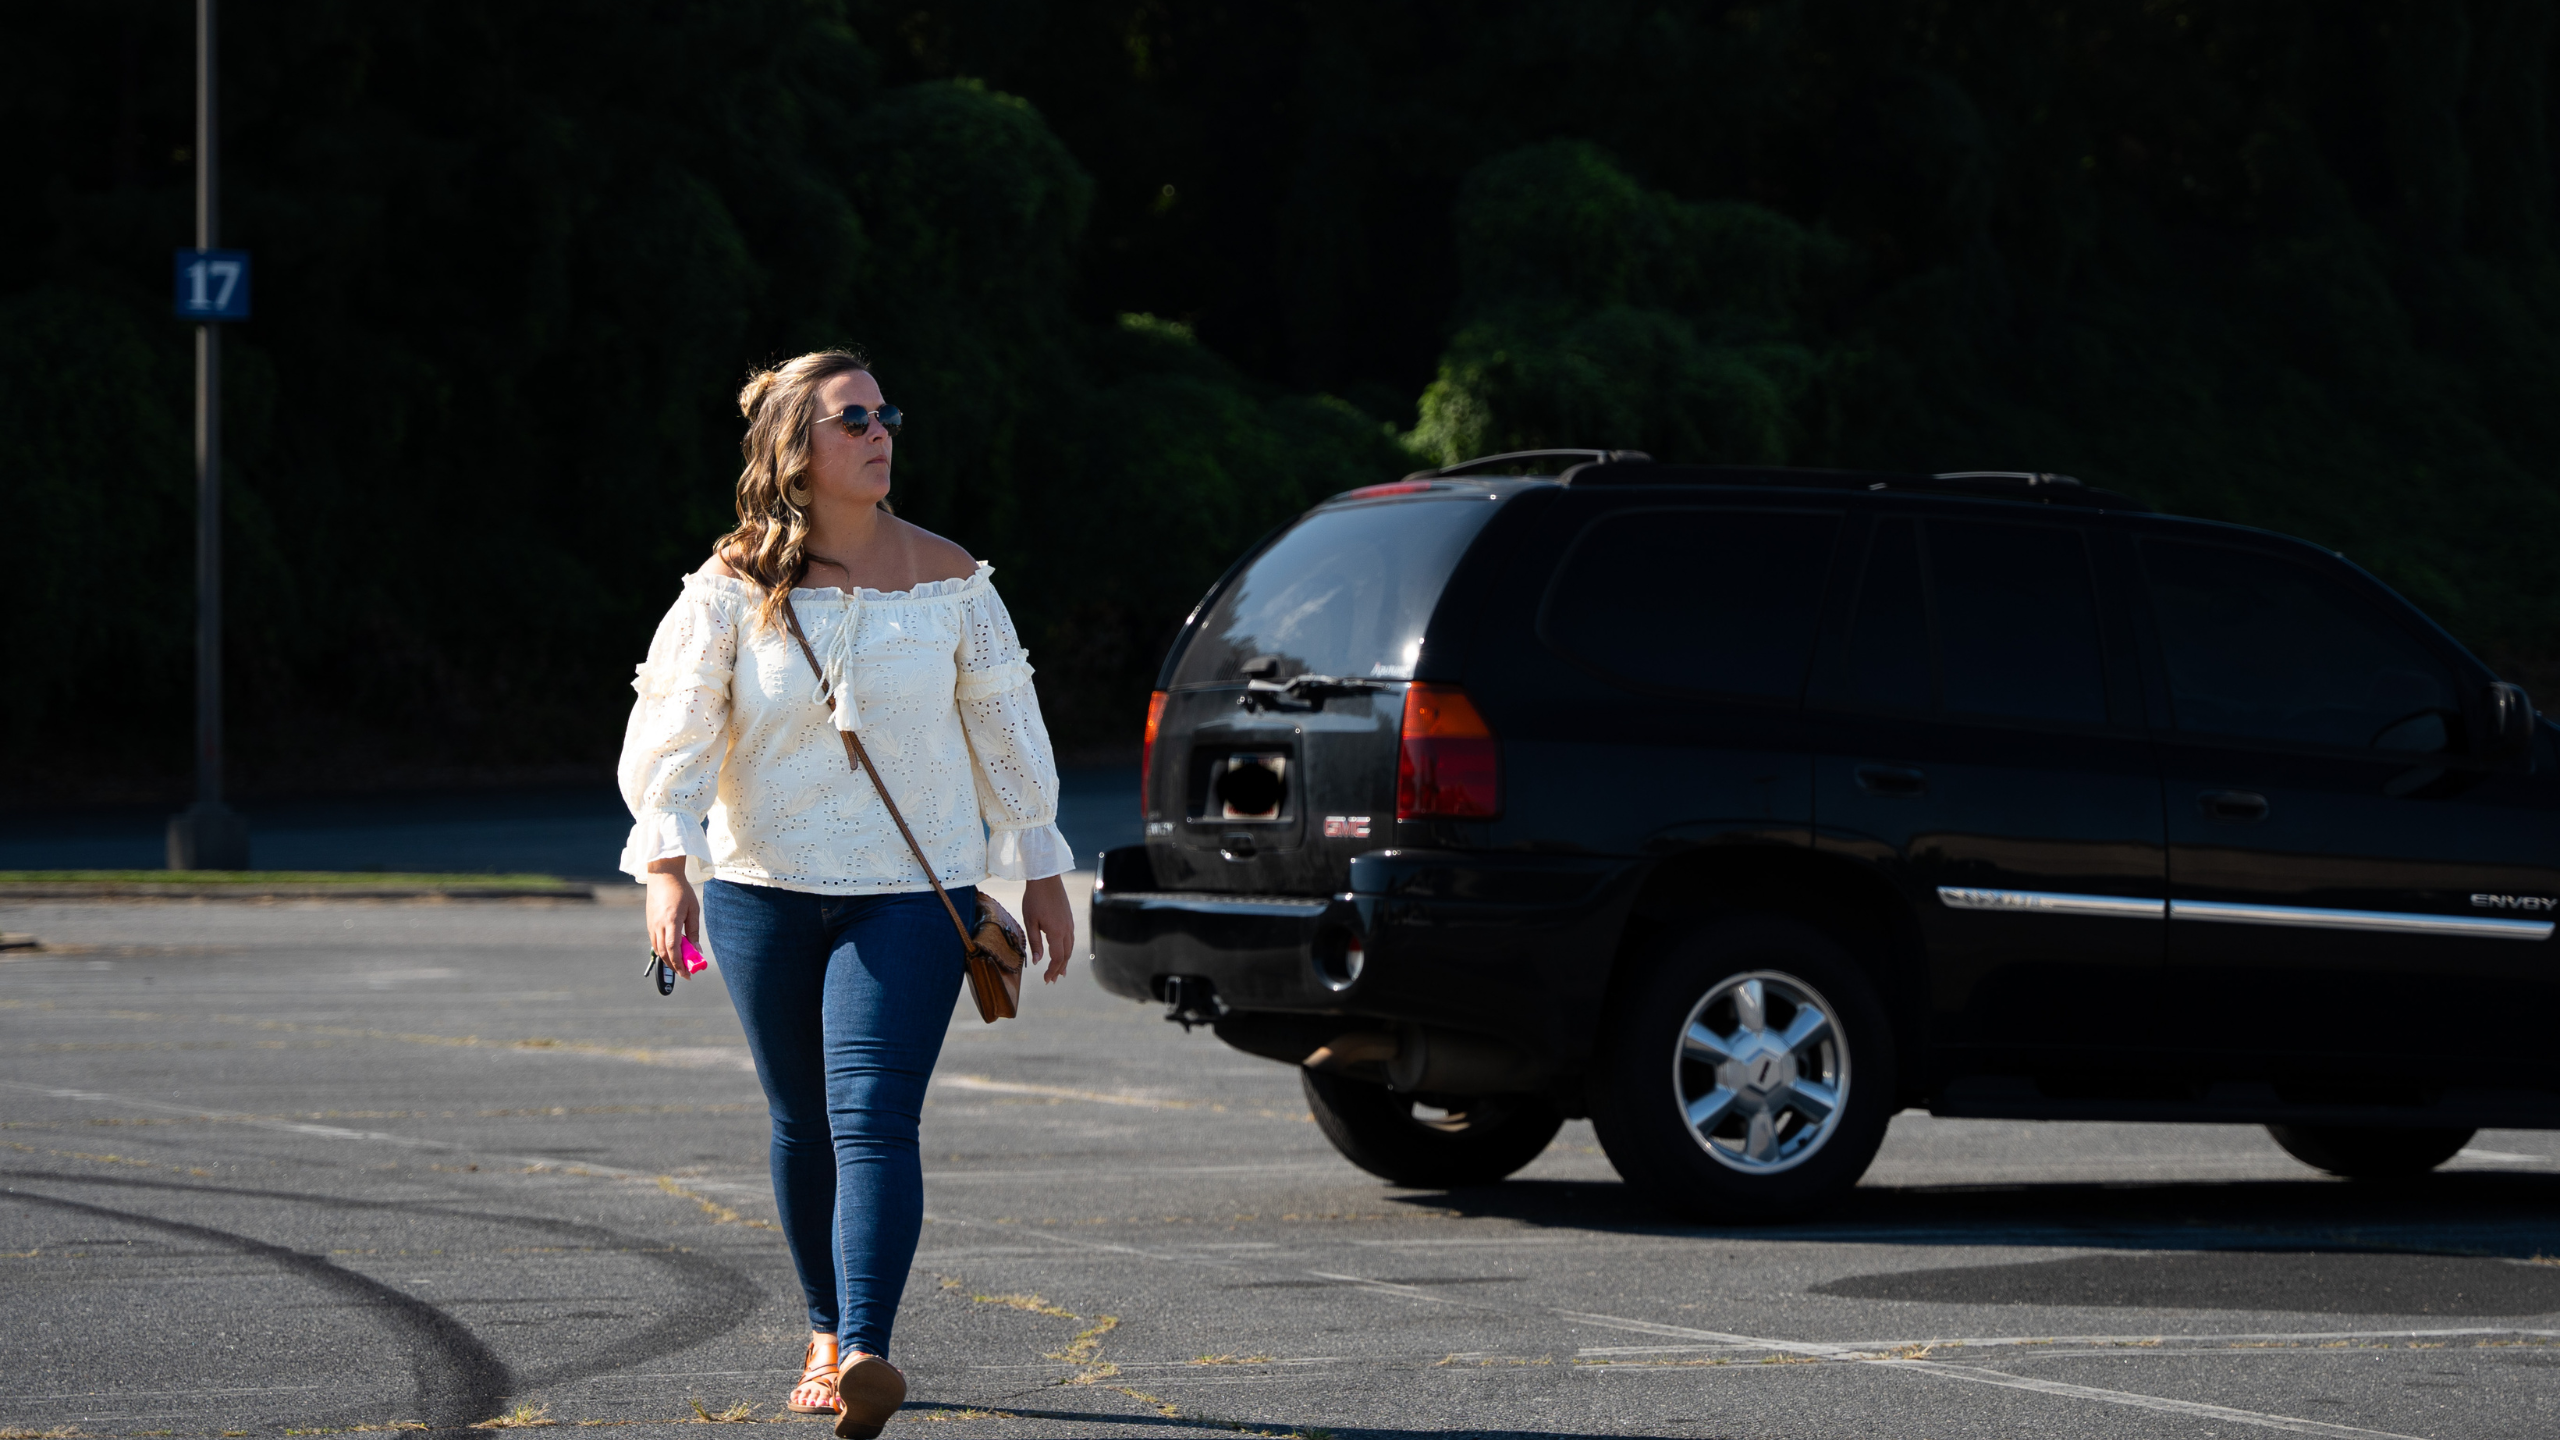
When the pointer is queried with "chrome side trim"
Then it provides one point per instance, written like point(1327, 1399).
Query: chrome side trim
point(2046, 902)
point(1208, 903)
point(2389, 922)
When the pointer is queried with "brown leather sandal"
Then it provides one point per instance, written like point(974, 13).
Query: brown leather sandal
point(816, 1374)
point(868, 1391)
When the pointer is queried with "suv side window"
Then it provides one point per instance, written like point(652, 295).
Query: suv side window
point(2017, 622)
point(1694, 599)
point(1889, 643)
point(2265, 648)
point(2013, 611)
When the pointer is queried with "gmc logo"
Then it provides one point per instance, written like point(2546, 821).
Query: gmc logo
point(2514, 902)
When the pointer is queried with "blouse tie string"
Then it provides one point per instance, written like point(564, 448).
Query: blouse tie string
point(839, 666)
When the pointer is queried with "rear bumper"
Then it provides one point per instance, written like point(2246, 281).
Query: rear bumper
point(1513, 946)
point(1259, 951)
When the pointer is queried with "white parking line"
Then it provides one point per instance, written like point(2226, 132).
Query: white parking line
point(964, 1177)
point(326, 1132)
point(2153, 1338)
point(1062, 1092)
point(153, 1394)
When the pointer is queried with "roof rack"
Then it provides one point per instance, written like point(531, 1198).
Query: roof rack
point(2024, 477)
point(1508, 458)
point(2031, 486)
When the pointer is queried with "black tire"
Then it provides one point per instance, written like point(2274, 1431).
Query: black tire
point(1477, 1142)
point(1649, 1075)
point(2359, 1153)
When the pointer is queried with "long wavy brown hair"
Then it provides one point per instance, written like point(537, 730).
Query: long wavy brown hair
point(773, 494)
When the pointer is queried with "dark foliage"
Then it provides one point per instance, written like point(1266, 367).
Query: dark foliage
point(2279, 261)
point(2286, 262)
point(512, 264)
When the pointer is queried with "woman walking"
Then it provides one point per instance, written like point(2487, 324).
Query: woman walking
point(836, 952)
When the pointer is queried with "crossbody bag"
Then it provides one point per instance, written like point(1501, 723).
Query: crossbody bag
point(995, 946)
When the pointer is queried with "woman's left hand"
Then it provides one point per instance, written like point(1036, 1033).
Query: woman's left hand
point(1051, 923)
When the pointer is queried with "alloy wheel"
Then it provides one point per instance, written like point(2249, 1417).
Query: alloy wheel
point(1761, 1072)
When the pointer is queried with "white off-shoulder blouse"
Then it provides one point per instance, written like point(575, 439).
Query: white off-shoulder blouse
point(732, 760)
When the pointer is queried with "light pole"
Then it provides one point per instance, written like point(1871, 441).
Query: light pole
point(208, 835)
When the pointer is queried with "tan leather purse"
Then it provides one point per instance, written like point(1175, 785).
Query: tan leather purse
point(996, 948)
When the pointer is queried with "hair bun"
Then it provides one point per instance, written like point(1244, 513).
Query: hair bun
point(759, 385)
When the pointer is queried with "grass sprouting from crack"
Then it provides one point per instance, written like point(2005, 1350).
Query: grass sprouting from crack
point(720, 1214)
point(523, 1417)
point(1162, 1406)
point(738, 1414)
point(1085, 1353)
point(1098, 1370)
point(1086, 1348)
point(1033, 1303)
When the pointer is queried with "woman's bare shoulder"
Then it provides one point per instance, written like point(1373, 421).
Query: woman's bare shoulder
point(719, 565)
point(933, 558)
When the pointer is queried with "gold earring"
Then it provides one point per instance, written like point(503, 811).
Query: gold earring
point(798, 493)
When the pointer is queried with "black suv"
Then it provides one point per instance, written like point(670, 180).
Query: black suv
point(1741, 808)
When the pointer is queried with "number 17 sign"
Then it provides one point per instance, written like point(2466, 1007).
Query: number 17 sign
point(213, 285)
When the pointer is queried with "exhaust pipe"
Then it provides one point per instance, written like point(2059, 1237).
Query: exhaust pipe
point(1439, 1062)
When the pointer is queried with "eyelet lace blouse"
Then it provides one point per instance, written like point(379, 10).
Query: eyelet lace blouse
point(731, 759)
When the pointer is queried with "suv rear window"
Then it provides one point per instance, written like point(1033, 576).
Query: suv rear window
point(1346, 592)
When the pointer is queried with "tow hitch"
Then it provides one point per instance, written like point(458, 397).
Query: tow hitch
point(1189, 1000)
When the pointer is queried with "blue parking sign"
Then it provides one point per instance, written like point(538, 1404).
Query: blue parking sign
point(213, 285)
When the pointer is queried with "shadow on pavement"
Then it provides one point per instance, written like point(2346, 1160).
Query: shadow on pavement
point(1279, 1430)
point(2501, 1216)
point(2309, 1282)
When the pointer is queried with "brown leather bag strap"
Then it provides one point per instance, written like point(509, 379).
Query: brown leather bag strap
point(861, 761)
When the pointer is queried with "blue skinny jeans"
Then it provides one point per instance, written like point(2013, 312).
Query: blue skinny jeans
point(844, 999)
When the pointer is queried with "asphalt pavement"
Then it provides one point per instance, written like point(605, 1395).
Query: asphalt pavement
point(280, 1169)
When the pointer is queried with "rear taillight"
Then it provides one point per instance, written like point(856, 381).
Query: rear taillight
point(1451, 766)
point(1147, 756)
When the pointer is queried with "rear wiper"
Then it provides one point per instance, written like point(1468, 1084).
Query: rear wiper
point(1302, 690)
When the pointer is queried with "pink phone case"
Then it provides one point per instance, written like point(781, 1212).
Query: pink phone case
point(690, 957)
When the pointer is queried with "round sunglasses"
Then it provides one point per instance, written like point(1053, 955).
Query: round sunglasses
point(856, 420)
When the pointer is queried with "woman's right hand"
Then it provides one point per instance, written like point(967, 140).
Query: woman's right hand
point(672, 910)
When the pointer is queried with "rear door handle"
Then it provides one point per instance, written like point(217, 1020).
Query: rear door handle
point(1891, 780)
point(2241, 805)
